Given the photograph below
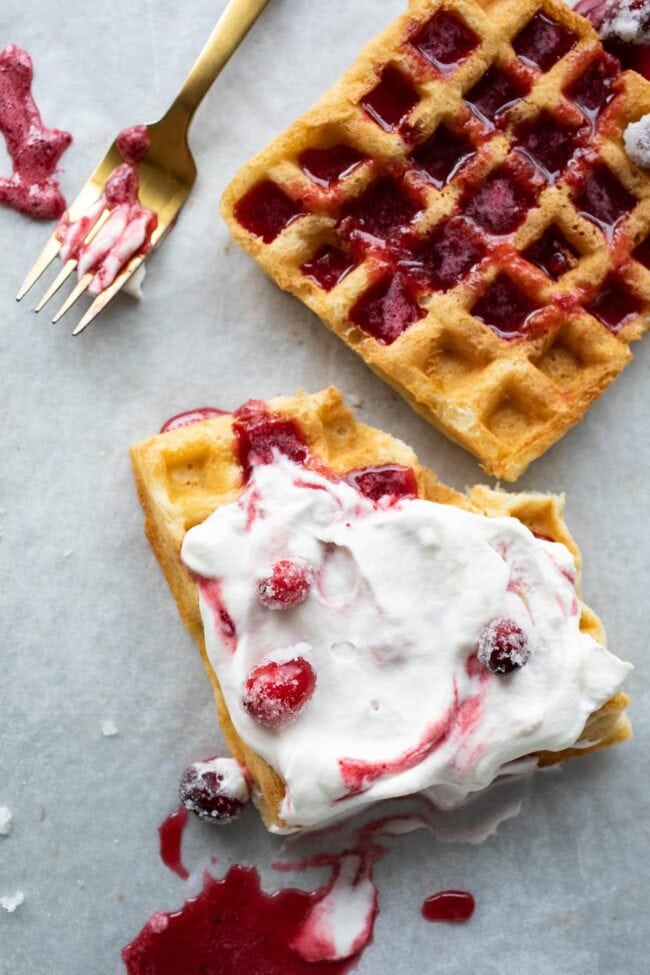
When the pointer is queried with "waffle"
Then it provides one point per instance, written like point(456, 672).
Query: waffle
point(460, 210)
point(184, 475)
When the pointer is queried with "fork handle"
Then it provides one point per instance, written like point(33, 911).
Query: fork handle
point(233, 25)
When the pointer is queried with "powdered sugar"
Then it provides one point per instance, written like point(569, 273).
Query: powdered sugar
point(10, 903)
point(6, 821)
point(637, 141)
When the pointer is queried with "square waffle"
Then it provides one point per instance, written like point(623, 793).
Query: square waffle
point(182, 476)
point(460, 210)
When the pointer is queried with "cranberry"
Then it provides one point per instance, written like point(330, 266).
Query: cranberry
point(503, 646)
point(287, 585)
point(202, 790)
point(276, 693)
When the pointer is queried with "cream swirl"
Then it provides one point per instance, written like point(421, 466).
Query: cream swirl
point(400, 595)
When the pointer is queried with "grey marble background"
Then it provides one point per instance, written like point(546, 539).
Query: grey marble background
point(89, 630)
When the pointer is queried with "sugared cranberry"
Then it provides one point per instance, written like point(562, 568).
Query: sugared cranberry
point(215, 790)
point(276, 693)
point(543, 41)
point(503, 646)
point(287, 584)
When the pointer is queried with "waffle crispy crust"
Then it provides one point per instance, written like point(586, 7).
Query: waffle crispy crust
point(460, 210)
point(184, 475)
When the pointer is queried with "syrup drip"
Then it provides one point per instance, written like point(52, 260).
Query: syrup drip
point(452, 906)
point(35, 150)
point(171, 839)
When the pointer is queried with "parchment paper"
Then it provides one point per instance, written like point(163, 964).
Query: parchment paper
point(90, 631)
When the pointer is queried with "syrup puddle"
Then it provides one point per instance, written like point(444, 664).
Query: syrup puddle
point(232, 921)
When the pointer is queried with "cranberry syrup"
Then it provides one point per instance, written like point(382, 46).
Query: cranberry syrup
point(189, 417)
point(35, 150)
point(452, 906)
point(171, 838)
point(232, 925)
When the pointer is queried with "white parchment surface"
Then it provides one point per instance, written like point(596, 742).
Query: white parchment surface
point(90, 633)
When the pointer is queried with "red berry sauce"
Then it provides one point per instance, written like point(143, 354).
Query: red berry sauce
point(552, 253)
point(603, 199)
point(452, 906)
point(445, 40)
point(614, 305)
point(171, 838)
point(500, 203)
point(232, 926)
point(391, 100)
point(35, 150)
point(495, 92)
point(594, 89)
point(276, 693)
point(210, 590)
point(543, 41)
point(287, 585)
point(266, 211)
point(260, 433)
point(133, 143)
point(387, 309)
point(327, 166)
point(641, 253)
point(441, 156)
point(383, 210)
point(447, 256)
point(189, 417)
point(505, 307)
point(388, 482)
point(549, 142)
point(328, 266)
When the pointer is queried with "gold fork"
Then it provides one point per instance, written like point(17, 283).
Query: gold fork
point(167, 172)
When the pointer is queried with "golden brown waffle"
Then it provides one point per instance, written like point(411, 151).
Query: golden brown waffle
point(184, 475)
point(503, 326)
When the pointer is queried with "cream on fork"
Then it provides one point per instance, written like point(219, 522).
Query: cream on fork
point(165, 175)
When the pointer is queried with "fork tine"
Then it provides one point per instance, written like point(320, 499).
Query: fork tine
point(42, 262)
point(105, 296)
point(78, 290)
point(62, 276)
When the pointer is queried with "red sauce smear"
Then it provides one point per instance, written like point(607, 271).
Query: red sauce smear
point(232, 925)
point(171, 839)
point(189, 417)
point(35, 150)
point(128, 228)
point(452, 906)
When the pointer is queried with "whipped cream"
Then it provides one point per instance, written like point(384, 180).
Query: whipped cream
point(401, 593)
